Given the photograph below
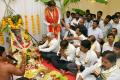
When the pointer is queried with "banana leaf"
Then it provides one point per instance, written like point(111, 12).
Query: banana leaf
point(79, 11)
point(67, 2)
point(102, 1)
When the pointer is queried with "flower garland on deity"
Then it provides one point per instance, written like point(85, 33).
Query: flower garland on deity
point(14, 22)
point(22, 40)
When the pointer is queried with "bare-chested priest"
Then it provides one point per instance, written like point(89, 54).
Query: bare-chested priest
point(7, 69)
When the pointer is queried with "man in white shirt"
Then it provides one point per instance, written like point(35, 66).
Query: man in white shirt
point(95, 30)
point(112, 73)
point(65, 55)
point(84, 57)
point(82, 26)
point(116, 24)
point(69, 34)
point(115, 32)
point(75, 21)
point(79, 37)
point(50, 46)
point(107, 70)
point(105, 25)
point(110, 43)
point(68, 18)
point(99, 16)
point(95, 45)
point(88, 22)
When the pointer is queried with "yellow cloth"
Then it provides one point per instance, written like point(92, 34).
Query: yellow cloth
point(105, 74)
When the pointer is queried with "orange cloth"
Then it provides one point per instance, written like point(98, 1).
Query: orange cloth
point(53, 20)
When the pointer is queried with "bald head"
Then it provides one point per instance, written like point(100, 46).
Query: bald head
point(81, 22)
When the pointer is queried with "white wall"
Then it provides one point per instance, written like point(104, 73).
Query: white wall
point(27, 7)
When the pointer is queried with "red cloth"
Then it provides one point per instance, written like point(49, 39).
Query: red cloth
point(51, 67)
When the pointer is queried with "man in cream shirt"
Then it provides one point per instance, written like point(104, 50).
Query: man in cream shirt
point(110, 43)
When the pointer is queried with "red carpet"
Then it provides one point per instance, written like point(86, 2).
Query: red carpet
point(51, 67)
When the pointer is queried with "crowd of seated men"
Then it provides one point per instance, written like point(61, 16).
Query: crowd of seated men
point(89, 46)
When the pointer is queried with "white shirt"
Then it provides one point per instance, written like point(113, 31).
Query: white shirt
point(96, 46)
point(110, 74)
point(81, 37)
point(70, 52)
point(105, 28)
point(106, 46)
point(88, 24)
point(71, 32)
point(97, 32)
point(87, 59)
point(86, 74)
point(63, 31)
point(114, 75)
point(68, 20)
point(117, 26)
point(74, 21)
point(53, 46)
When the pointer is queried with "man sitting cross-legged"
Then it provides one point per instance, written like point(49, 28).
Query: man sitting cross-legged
point(84, 58)
point(51, 46)
point(65, 55)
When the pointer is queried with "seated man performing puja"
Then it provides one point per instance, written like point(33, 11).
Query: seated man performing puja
point(50, 46)
point(65, 55)
point(7, 69)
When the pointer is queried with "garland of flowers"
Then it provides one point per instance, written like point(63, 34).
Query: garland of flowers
point(18, 45)
point(14, 22)
point(33, 25)
point(13, 39)
point(26, 22)
point(38, 22)
point(1, 38)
